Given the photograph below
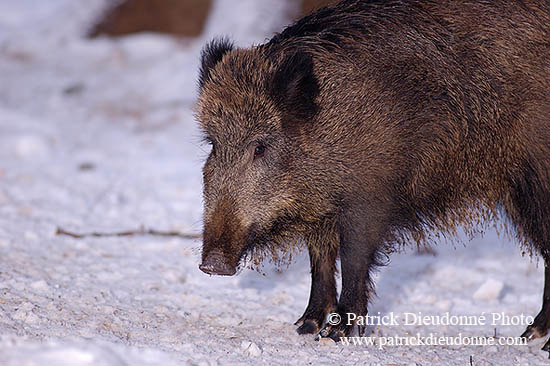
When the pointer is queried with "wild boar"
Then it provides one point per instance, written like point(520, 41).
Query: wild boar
point(370, 123)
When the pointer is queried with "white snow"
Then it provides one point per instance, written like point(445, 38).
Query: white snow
point(99, 136)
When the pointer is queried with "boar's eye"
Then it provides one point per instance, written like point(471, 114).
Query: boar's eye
point(259, 151)
point(213, 145)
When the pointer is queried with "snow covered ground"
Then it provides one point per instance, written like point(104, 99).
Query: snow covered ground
point(99, 136)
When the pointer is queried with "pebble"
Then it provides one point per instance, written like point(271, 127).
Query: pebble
point(326, 342)
point(40, 285)
point(27, 147)
point(490, 290)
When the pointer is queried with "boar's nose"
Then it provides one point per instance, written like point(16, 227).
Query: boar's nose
point(214, 264)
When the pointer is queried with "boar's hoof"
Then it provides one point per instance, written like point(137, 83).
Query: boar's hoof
point(312, 321)
point(546, 347)
point(214, 264)
point(334, 333)
point(308, 326)
point(533, 332)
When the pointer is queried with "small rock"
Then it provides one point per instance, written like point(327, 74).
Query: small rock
point(31, 236)
point(492, 349)
point(40, 285)
point(490, 290)
point(250, 349)
point(444, 305)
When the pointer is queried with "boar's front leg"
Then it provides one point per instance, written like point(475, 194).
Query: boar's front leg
point(359, 251)
point(322, 298)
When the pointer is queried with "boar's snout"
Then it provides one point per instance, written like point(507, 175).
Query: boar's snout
point(214, 264)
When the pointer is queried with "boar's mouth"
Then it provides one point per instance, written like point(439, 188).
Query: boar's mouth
point(219, 256)
point(222, 261)
point(225, 257)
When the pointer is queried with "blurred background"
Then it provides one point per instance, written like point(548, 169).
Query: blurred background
point(96, 102)
point(178, 17)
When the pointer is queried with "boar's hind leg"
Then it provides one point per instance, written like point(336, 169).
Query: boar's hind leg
point(530, 210)
point(541, 324)
point(359, 251)
point(322, 298)
point(543, 318)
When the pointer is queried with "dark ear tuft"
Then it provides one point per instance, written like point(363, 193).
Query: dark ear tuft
point(295, 86)
point(211, 54)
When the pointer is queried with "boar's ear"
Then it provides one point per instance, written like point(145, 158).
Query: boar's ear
point(211, 54)
point(295, 86)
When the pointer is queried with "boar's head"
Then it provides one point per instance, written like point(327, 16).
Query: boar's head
point(254, 109)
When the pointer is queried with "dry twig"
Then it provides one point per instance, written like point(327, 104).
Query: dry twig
point(140, 231)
